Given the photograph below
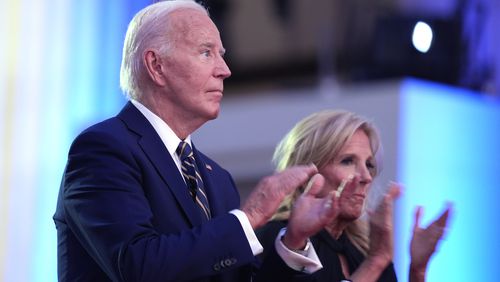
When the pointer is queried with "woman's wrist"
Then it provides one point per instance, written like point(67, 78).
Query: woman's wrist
point(370, 269)
point(293, 243)
point(377, 263)
point(417, 273)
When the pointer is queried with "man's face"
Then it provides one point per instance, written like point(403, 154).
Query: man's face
point(195, 66)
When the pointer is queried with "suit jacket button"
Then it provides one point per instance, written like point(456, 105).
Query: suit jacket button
point(217, 267)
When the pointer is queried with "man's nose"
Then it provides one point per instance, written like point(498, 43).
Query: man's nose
point(222, 69)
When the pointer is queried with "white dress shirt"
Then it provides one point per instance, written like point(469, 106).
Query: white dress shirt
point(308, 263)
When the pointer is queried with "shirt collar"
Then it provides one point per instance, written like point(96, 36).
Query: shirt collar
point(166, 133)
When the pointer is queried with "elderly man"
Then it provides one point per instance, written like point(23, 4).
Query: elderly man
point(138, 201)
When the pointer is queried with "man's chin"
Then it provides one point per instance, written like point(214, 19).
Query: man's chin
point(213, 115)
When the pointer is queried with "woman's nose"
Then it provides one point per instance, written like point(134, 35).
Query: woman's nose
point(364, 175)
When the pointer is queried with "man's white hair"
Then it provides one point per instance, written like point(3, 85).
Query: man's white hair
point(148, 29)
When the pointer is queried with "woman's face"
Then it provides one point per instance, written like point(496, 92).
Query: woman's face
point(354, 159)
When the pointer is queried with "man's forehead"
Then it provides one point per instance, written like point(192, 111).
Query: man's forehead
point(186, 17)
point(195, 27)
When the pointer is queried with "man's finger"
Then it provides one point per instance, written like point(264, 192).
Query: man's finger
point(296, 176)
point(314, 185)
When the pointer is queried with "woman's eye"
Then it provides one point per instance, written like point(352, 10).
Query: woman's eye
point(371, 166)
point(347, 161)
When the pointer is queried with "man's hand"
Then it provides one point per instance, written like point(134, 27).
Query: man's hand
point(271, 190)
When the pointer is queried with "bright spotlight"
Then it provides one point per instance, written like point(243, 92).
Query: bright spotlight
point(422, 37)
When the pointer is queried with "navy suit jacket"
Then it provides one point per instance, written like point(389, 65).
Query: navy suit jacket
point(124, 213)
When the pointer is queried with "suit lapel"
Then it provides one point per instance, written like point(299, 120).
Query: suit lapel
point(159, 156)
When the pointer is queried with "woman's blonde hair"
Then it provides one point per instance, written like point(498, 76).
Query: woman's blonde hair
point(317, 139)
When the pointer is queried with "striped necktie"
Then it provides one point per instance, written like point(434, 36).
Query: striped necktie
point(193, 177)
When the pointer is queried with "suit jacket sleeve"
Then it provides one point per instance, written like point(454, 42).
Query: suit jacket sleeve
point(132, 226)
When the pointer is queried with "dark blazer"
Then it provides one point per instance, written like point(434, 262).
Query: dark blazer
point(274, 269)
point(124, 213)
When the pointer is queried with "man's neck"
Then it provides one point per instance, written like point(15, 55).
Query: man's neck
point(181, 126)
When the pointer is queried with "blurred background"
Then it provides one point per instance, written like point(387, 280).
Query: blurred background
point(427, 72)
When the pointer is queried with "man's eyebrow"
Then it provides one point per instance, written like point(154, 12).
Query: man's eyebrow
point(212, 45)
point(207, 45)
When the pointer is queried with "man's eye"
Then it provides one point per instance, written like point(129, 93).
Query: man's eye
point(206, 53)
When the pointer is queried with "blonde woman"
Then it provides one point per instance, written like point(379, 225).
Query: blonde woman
point(346, 149)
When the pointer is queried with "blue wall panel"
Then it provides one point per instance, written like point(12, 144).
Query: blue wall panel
point(449, 151)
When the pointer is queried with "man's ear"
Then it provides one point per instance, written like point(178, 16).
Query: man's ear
point(153, 63)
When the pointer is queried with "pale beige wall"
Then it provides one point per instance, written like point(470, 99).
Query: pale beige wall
point(244, 136)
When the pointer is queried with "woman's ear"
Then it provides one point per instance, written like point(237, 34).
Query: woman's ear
point(154, 66)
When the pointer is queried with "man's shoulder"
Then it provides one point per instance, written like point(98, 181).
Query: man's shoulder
point(115, 123)
point(110, 131)
point(108, 125)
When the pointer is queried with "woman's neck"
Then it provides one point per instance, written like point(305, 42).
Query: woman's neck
point(336, 227)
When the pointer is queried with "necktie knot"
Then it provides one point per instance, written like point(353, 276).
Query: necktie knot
point(184, 151)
